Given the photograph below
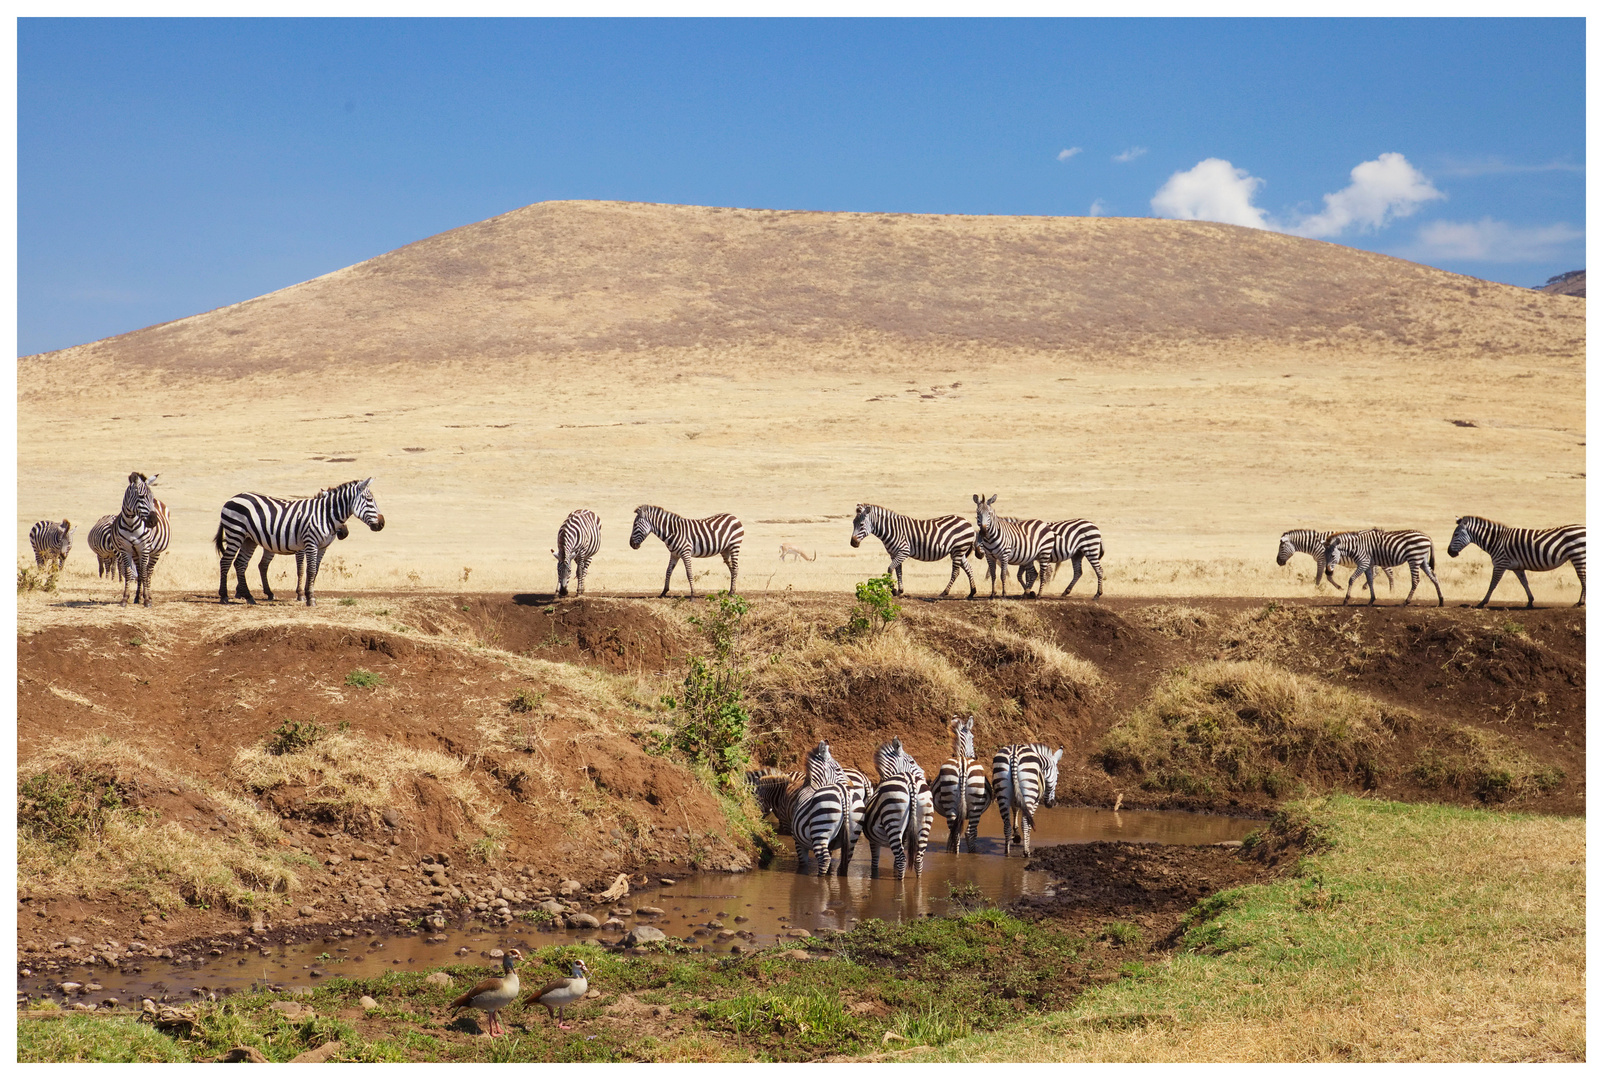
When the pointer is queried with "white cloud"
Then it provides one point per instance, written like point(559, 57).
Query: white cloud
point(1098, 209)
point(1212, 190)
point(1130, 154)
point(1494, 241)
point(1383, 189)
point(1066, 154)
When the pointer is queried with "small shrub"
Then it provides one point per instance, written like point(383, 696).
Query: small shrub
point(294, 735)
point(34, 579)
point(348, 602)
point(363, 679)
point(67, 810)
point(876, 605)
point(1122, 933)
point(965, 897)
point(526, 701)
point(709, 720)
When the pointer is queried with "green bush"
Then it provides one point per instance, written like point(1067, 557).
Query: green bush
point(66, 810)
point(363, 679)
point(294, 735)
point(709, 720)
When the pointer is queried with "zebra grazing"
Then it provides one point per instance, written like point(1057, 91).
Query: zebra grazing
point(51, 540)
point(141, 533)
point(1009, 541)
point(1075, 540)
point(1520, 550)
point(1376, 547)
point(103, 542)
point(962, 790)
point(1024, 777)
point(685, 538)
point(578, 540)
point(1312, 542)
point(921, 539)
point(899, 813)
point(822, 819)
point(300, 527)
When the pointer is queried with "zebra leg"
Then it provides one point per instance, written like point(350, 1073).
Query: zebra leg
point(1497, 575)
point(300, 570)
point(949, 581)
point(580, 570)
point(1440, 602)
point(899, 854)
point(969, 570)
point(1580, 572)
point(1350, 581)
point(247, 548)
point(267, 557)
point(222, 576)
point(1073, 580)
point(1391, 582)
point(954, 827)
point(150, 572)
point(1026, 824)
point(690, 579)
point(1096, 564)
point(801, 854)
point(895, 570)
point(314, 556)
point(667, 581)
point(873, 856)
point(732, 560)
point(973, 837)
point(129, 569)
point(1530, 598)
point(821, 853)
point(1370, 577)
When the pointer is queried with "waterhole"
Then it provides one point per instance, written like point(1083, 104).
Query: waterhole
point(716, 911)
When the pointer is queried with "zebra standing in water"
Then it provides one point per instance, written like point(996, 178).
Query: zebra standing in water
point(141, 534)
point(823, 817)
point(690, 537)
point(578, 540)
point(51, 540)
point(1072, 541)
point(301, 527)
point(921, 539)
point(1024, 777)
point(1520, 550)
point(775, 792)
point(1009, 541)
point(962, 790)
point(898, 816)
point(1376, 547)
point(1312, 542)
point(103, 542)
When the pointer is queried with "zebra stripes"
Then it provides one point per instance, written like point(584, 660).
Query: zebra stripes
point(962, 790)
point(775, 793)
point(578, 540)
point(302, 527)
point(1312, 542)
point(920, 539)
point(1075, 540)
point(1520, 550)
point(103, 542)
point(141, 533)
point(823, 817)
point(690, 537)
point(1009, 541)
point(1024, 778)
point(898, 815)
point(51, 540)
point(1375, 547)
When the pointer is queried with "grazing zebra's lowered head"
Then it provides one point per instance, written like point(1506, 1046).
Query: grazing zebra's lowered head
point(892, 758)
point(962, 736)
point(51, 541)
point(822, 768)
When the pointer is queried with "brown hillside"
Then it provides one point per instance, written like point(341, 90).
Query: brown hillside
point(592, 277)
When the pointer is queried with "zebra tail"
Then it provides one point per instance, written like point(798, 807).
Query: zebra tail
point(1019, 799)
point(217, 541)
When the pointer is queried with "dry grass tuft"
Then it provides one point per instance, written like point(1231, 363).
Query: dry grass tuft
point(1484, 764)
point(1175, 620)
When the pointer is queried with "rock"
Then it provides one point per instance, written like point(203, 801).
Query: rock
point(317, 1056)
point(555, 907)
point(569, 888)
point(463, 951)
point(593, 994)
point(798, 932)
point(293, 1010)
point(496, 954)
point(439, 978)
point(391, 818)
point(647, 909)
point(367, 1003)
point(726, 935)
point(642, 934)
point(70, 987)
point(508, 894)
point(244, 1053)
point(614, 924)
point(669, 881)
point(589, 922)
point(308, 911)
point(737, 949)
point(150, 917)
point(83, 1006)
point(333, 860)
point(76, 941)
point(796, 954)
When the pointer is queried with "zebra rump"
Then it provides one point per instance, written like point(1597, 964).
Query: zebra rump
point(51, 540)
point(962, 790)
point(578, 540)
point(1074, 541)
point(822, 821)
point(1520, 550)
point(103, 542)
point(1024, 777)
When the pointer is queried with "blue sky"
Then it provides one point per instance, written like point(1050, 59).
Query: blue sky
point(170, 167)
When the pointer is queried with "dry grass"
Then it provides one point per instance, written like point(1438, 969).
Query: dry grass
point(1482, 763)
point(1175, 620)
point(821, 667)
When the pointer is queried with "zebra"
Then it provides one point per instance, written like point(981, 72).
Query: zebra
point(823, 817)
point(686, 537)
point(1520, 550)
point(775, 793)
point(1024, 777)
point(1009, 541)
point(1312, 542)
point(898, 816)
point(302, 527)
point(1072, 541)
point(51, 540)
point(141, 533)
point(578, 540)
point(962, 790)
point(921, 539)
point(103, 542)
point(1377, 547)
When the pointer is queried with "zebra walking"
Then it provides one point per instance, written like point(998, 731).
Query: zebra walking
point(1520, 550)
point(962, 790)
point(685, 538)
point(920, 539)
point(1025, 778)
point(1009, 541)
point(823, 817)
point(51, 540)
point(898, 816)
point(141, 534)
point(1312, 542)
point(1377, 547)
point(578, 540)
point(300, 527)
point(1075, 540)
point(103, 542)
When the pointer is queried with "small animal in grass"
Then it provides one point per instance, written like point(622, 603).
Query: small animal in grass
point(788, 551)
point(559, 994)
point(495, 993)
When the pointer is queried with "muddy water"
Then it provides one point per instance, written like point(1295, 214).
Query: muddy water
point(761, 907)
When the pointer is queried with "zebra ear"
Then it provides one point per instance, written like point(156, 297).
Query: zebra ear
point(1057, 756)
point(554, 555)
point(978, 500)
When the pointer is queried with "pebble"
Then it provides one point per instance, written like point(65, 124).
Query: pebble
point(568, 888)
point(70, 987)
point(367, 1003)
point(438, 978)
point(648, 910)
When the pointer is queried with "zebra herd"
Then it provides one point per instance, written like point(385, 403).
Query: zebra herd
point(127, 543)
point(828, 808)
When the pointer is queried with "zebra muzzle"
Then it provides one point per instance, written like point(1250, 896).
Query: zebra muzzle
point(378, 524)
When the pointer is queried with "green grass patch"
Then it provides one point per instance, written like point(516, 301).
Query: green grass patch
point(363, 679)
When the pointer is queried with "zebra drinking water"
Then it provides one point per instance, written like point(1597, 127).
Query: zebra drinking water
point(962, 790)
point(1024, 777)
point(141, 534)
point(823, 814)
point(1376, 547)
point(685, 538)
point(302, 527)
point(51, 540)
point(1312, 542)
point(920, 539)
point(578, 540)
point(1009, 541)
point(899, 813)
point(1520, 550)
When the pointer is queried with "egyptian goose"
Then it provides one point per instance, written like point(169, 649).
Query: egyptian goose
point(560, 994)
point(495, 993)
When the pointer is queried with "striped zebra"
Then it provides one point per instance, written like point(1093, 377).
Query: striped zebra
point(899, 814)
point(141, 533)
point(775, 793)
point(1520, 550)
point(823, 818)
point(920, 539)
point(962, 790)
point(1075, 540)
point(1312, 542)
point(103, 542)
point(1025, 778)
point(51, 540)
point(1009, 541)
point(1370, 548)
point(690, 537)
point(578, 540)
point(300, 527)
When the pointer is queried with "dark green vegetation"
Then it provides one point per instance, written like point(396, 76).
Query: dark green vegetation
point(68, 809)
point(708, 720)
